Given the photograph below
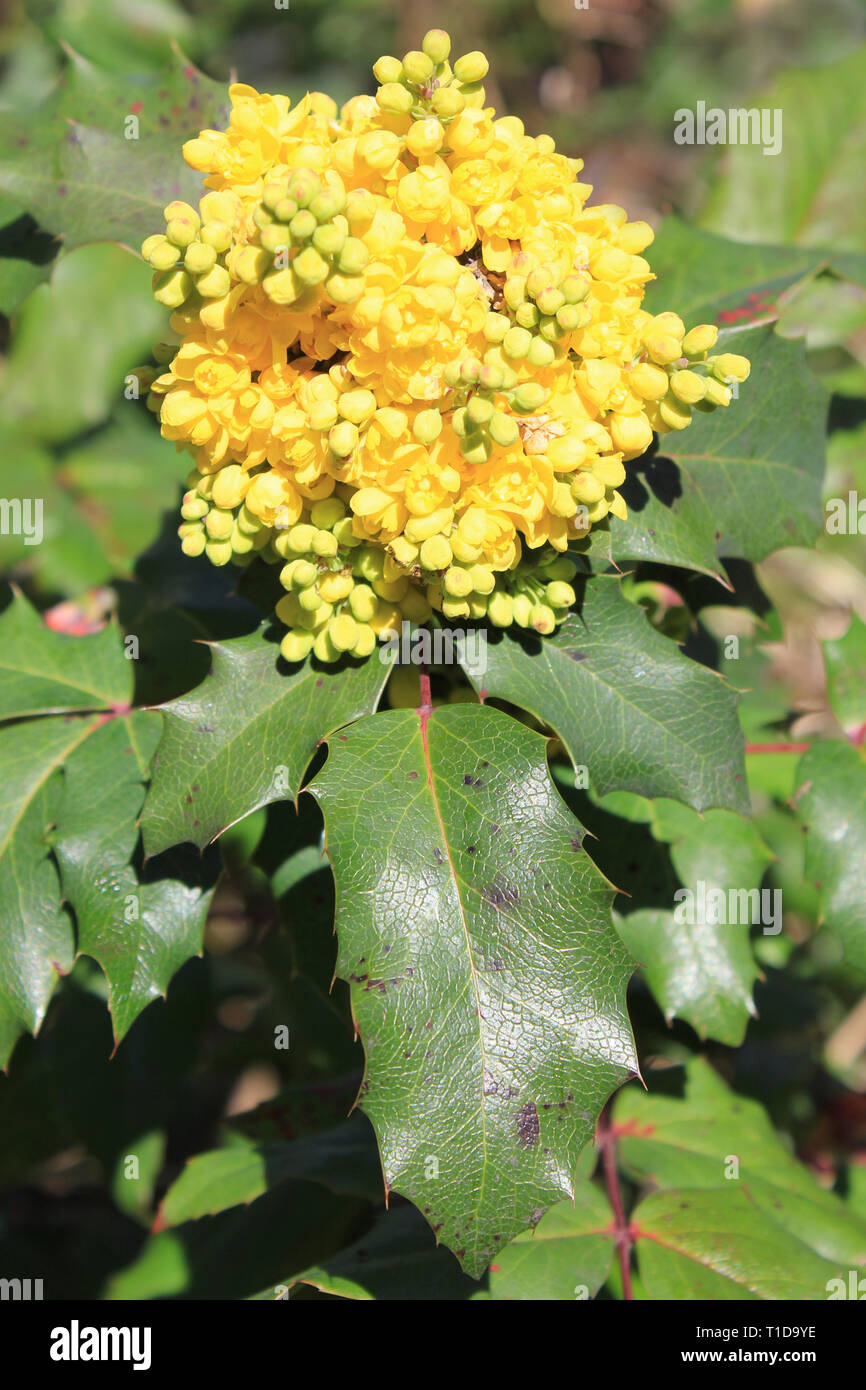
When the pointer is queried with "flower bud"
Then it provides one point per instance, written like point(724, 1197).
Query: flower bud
point(730, 367)
point(427, 426)
point(700, 339)
point(215, 283)
point(448, 102)
point(560, 595)
point(395, 99)
point(688, 387)
point(172, 287)
point(387, 69)
point(472, 67)
point(343, 439)
point(436, 43)
point(503, 429)
point(417, 67)
point(296, 645)
point(435, 553)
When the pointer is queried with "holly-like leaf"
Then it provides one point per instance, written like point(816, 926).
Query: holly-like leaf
point(740, 482)
point(487, 982)
point(140, 931)
point(45, 672)
point(103, 156)
point(68, 831)
point(809, 194)
point(714, 1138)
point(342, 1159)
point(697, 957)
point(831, 804)
point(710, 279)
point(715, 1245)
point(245, 736)
point(568, 1256)
point(627, 705)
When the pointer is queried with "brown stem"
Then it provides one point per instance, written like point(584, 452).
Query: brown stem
point(621, 1228)
point(778, 747)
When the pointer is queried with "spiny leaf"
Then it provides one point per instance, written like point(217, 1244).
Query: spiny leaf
point(627, 705)
point(740, 482)
point(45, 672)
point(86, 173)
point(698, 968)
point(831, 805)
point(246, 735)
point(568, 1256)
point(696, 1141)
point(712, 1245)
point(487, 982)
point(140, 931)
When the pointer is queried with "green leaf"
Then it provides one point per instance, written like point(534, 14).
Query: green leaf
point(53, 389)
point(711, 1245)
point(246, 735)
point(342, 1159)
point(700, 969)
point(740, 482)
point(463, 891)
point(709, 279)
point(845, 661)
point(831, 805)
point(37, 942)
point(568, 1256)
point(86, 174)
point(26, 254)
point(141, 932)
point(691, 1142)
point(809, 194)
point(627, 705)
point(397, 1260)
point(45, 672)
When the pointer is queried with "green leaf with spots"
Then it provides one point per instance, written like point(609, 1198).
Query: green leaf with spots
point(710, 1137)
point(627, 705)
point(45, 672)
point(698, 957)
point(716, 1246)
point(567, 1257)
point(709, 279)
point(102, 157)
point(487, 981)
point(831, 805)
point(740, 482)
point(245, 736)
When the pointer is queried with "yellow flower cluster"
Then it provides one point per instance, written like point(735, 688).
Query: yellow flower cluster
point(407, 312)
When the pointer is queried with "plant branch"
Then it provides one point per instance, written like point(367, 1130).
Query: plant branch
point(621, 1227)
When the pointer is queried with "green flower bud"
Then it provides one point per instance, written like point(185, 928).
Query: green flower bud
point(365, 644)
point(346, 537)
point(304, 186)
point(437, 45)
point(688, 387)
point(483, 579)
point(360, 209)
point(674, 413)
point(275, 239)
point(514, 292)
point(159, 252)
point(172, 288)
point(500, 609)
point(522, 608)
point(193, 543)
point(309, 267)
point(542, 618)
point(343, 632)
point(328, 204)
point(363, 603)
point(504, 430)
point(323, 647)
point(329, 240)
point(479, 411)
point(550, 300)
point(219, 552)
point(491, 377)
point(215, 283)
point(199, 258)
point(300, 538)
point(303, 574)
point(516, 342)
point(387, 69)
point(219, 523)
point(448, 102)
point(296, 645)
point(325, 514)
point(526, 315)
point(194, 507)
point(395, 99)
point(230, 486)
point(528, 397)
point(540, 354)
point(476, 448)
point(302, 226)
point(730, 367)
point(560, 595)
point(353, 257)
point(569, 317)
point(417, 68)
point(282, 287)
point(700, 339)
point(343, 439)
point(285, 210)
point(472, 67)
point(435, 554)
point(427, 426)
point(345, 289)
point(325, 543)
point(310, 599)
point(575, 288)
point(715, 393)
point(182, 230)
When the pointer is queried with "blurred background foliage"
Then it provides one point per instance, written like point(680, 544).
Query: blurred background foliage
point(605, 81)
